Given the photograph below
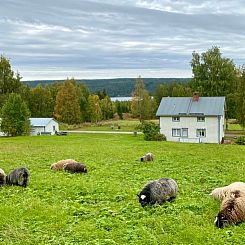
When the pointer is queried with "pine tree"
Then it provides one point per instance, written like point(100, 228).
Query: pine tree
point(15, 116)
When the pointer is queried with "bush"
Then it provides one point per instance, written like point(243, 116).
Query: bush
point(151, 131)
point(241, 140)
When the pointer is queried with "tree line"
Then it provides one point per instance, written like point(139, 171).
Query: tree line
point(72, 103)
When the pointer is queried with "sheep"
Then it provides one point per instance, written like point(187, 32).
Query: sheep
point(147, 157)
point(75, 167)
point(18, 176)
point(221, 192)
point(158, 191)
point(232, 209)
point(60, 164)
point(2, 177)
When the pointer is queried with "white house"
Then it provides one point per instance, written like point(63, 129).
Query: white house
point(43, 126)
point(192, 119)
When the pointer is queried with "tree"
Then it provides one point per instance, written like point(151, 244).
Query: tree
point(67, 108)
point(15, 116)
point(9, 82)
point(240, 102)
point(106, 108)
point(94, 108)
point(142, 105)
point(41, 103)
point(213, 75)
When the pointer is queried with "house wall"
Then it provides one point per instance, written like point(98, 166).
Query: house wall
point(211, 124)
point(51, 127)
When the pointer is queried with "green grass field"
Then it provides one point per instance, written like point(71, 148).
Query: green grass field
point(101, 207)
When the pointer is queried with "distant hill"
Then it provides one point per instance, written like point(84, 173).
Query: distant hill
point(115, 87)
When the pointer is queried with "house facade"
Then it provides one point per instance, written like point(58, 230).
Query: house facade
point(192, 119)
point(41, 126)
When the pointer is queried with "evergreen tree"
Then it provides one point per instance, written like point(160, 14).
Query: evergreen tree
point(67, 108)
point(15, 116)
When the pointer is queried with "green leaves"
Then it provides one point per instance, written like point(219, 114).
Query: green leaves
point(15, 116)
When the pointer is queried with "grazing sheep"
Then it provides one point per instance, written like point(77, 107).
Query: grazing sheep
point(147, 157)
point(60, 164)
point(75, 167)
point(232, 209)
point(2, 177)
point(221, 192)
point(18, 176)
point(158, 191)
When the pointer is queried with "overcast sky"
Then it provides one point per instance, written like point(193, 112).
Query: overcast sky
point(56, 39)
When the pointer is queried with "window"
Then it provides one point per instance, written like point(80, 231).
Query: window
point(201, 119)
point(201, 132)
point(53, 128)
point(176, 132)
point(184, 132)
point(175, 119)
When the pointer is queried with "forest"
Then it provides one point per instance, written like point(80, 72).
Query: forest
point(72, 101)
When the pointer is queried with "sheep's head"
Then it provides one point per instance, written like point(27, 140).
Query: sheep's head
point(142, 159)
point(221, 220)
point(144, 199)
point(228, 213)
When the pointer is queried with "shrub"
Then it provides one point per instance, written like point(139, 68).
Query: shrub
point(151, 131)
point(241, 140)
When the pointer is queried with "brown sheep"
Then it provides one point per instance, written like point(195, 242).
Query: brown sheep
point(147, 157)
point(75, 167)
point(232, 209)
point(60, 164)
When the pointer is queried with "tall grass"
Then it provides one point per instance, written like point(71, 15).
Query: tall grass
point(101, 207)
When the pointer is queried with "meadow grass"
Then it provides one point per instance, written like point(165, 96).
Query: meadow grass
point(101, 207)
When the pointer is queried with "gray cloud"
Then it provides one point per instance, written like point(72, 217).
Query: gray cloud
point(75, 38)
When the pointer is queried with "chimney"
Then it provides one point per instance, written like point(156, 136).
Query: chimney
point(195, 96)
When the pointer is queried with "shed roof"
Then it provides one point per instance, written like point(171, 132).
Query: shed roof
point(40, 121)
point(185, 106)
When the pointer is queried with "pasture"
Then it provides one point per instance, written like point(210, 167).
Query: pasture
point(101, 207)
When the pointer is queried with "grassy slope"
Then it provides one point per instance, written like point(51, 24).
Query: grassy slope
point(101, 207)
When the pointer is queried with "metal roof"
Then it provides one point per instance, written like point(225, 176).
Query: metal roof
point(185, 106)
point(40, 121)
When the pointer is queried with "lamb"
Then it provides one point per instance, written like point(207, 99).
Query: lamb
point(18, 176)
point(221, 192)
point(232, 209)
point(60, 164)
point(2, 177)
point(147, 157)
point(158, 191)
point(75, 167)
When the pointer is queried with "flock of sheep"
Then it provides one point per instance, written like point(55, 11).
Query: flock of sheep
point(232, 197)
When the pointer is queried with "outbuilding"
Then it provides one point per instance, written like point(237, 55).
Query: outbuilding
point(43, 126)
point(192, 119)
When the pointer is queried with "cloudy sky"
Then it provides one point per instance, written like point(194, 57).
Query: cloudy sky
point(56, 39)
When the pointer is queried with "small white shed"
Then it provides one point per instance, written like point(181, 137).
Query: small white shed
point(42, 126)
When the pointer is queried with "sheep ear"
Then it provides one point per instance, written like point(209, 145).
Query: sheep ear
point(138, 195)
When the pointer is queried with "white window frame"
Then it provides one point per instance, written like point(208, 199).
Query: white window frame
point(175, 119)
point(201, 119)
point(182, 132)
point(176, 132)
point(201, 133)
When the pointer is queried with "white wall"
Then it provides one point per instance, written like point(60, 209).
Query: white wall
point(51, 127)
point(210, 124)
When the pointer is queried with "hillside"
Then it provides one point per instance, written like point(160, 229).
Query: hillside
point(115, 87)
